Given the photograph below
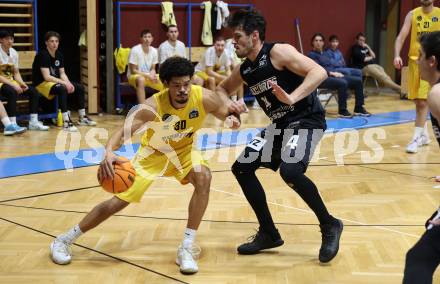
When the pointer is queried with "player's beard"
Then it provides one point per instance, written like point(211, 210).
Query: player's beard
point(243, 52)
point(183, 99)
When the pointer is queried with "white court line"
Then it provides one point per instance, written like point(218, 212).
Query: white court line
point(311, 212)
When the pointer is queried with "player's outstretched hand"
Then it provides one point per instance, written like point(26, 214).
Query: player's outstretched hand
point(281, 95)
point(237, 107)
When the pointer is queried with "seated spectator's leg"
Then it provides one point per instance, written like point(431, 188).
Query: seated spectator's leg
point(423, 258)
point(34, 124)
point(158, 86)
point(211, 83)
point(355, 72)
point(138, 82)
point(355, 83)
point(196, 80)
point(11, 97)
point(140, 89)
point(342, 87)
point(83, 118)
point(376, 71)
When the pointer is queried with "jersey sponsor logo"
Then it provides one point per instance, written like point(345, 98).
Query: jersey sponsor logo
point(280, 112)
point(57, 63)
point(263, 60)
point(165, 116)
point(247, 70)
point(193, 113)
point(434, 19)
point(419, 18)
point(262, 86)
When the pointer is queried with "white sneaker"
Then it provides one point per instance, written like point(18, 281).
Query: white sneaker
point(69, 127)
point(413, 145)
point(60, 252)
point(38, 126)
point(86, 121)
point(424, 140)
point(185, 260)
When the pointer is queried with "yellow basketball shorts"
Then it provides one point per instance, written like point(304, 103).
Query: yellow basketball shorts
point(203, 75)
point(13, 81)
point(417, 88)
point(148, 83)
point(44, 89)
point(151, 164)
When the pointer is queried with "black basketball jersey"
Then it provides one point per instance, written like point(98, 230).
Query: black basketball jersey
point(257, 74)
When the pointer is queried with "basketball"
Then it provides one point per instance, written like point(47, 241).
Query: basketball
point(123, 178)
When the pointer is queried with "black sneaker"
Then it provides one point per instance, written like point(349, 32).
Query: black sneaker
point(345, 114)
point(331, 233)
point(361, 112)
point(259, 241)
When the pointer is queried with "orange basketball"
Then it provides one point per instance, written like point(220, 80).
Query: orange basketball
point(123, 178)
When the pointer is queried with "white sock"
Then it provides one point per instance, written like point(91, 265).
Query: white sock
point(234, 98)
point(13, 119)
point(82, 112)
point(188, 238)
point(425, 130)
point(71, 235)
point(417, 132)
point(6, 122)
point(34, 118)
point(65, 116)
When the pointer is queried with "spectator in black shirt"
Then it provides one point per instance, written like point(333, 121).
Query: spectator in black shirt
point(363, 57)
point(51, 80)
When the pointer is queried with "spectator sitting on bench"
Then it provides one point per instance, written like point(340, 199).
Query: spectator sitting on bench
point(12, 85)
point(142, 63)
point(214, 67)
point(10, 128)
point(51, 80)
point(338, 81)
point(363, 57)
point(337, 59)
point(172, 46)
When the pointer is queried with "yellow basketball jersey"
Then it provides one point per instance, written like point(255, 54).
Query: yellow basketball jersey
point(422, 23)
point(175, 127)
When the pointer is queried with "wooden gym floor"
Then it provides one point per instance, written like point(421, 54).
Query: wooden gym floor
point(383, 204)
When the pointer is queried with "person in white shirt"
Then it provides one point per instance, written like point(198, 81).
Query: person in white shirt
point(142, 66)
point(214, 67)
point(172, 46)
point(12, 85)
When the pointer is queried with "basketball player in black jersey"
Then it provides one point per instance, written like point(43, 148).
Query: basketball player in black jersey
point(284, 82)
point(424, 257)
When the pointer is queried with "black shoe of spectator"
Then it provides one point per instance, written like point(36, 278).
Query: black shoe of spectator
point(344, 114)
point(259, 241)
point(331, 234)
point(361, 112)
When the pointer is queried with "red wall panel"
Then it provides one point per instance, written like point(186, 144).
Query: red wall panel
point(341, 17)
point(136, 18)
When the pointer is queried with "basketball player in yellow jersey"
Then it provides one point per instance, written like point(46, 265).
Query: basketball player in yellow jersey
point(421, 20)
point(172, 116)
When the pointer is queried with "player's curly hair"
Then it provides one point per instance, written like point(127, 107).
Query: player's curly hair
point(249, 21)
point(175, 67)
point(430, 43)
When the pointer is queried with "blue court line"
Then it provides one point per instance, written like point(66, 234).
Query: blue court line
point(42, 163)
